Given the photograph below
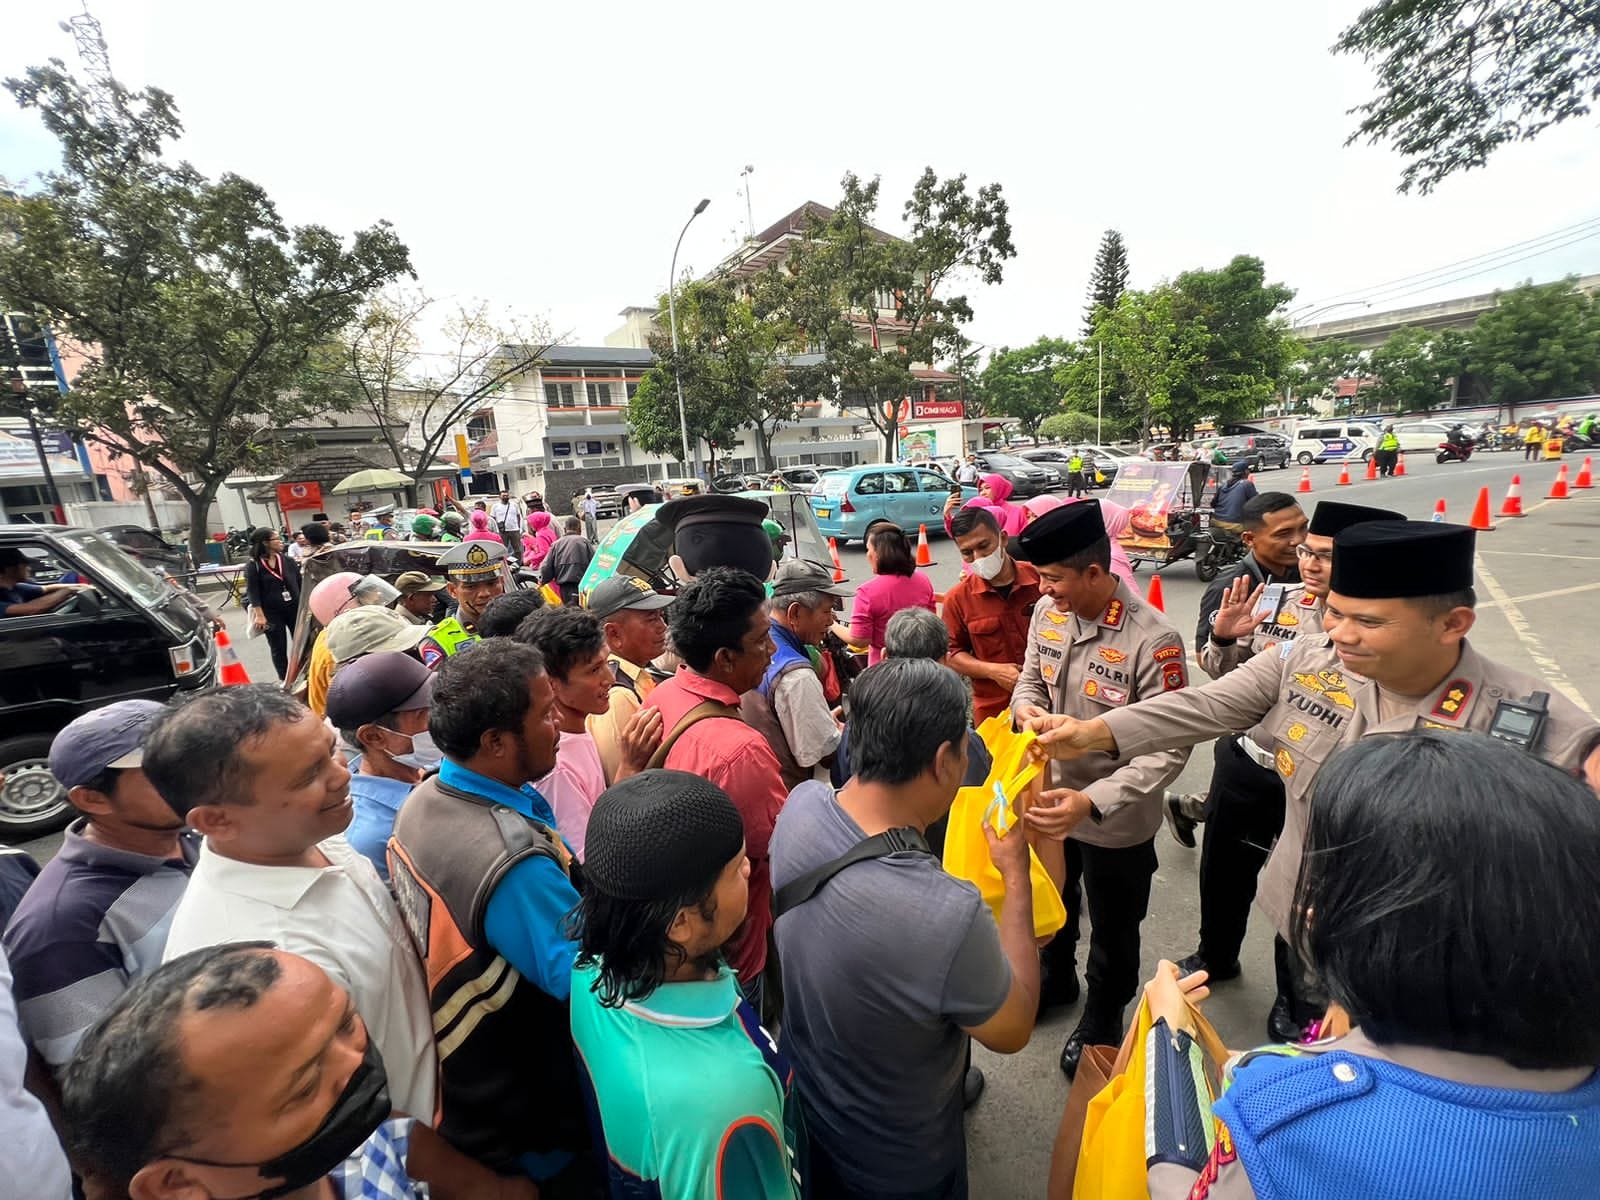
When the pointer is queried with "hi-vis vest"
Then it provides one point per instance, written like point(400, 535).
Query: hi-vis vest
point(451, 635)
point(1075, 463)
point(509, 1080)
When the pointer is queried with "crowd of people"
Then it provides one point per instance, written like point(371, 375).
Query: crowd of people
point(637, 895)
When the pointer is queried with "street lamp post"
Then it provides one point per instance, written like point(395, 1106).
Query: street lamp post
point(19, 389)
point(672, 319)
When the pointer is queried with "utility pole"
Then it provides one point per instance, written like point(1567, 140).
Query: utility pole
point(749, 213)
point(1100, 395)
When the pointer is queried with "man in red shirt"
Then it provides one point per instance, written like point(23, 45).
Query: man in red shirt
point(720, 629)
point(989, 612)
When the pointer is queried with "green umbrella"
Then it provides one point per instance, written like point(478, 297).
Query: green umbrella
point(374, 479)
point(636, 540)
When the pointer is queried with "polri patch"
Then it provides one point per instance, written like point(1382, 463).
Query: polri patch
point(1167, 653)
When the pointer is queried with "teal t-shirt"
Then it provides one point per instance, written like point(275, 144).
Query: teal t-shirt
point(693, 1096)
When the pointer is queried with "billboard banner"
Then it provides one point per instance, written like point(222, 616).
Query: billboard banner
point(1149, 491)
point(18, 458)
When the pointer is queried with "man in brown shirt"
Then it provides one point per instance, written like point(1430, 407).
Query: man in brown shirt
point(988, 613)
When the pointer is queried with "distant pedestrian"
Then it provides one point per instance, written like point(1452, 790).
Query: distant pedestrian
point(507, 515)
point(1532, 442)
point(591, 515)
point(272, 590)
point(1075, 481)
point(567, 561)
point(967, 472)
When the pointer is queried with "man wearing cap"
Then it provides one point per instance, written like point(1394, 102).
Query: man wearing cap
point(419, 596)
point(1095, 647)
point(568, 559)
point(1394, 658)
point(96, 918)
point(1244, 804)
point(380, 704)
point(383, 530)
point(788, 707)
point(370, 629)
point(630, 614)
point(693, 1097)
point(472, 571)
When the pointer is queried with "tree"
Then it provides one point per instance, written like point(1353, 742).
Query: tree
point(1071, 427)
point(1318, 366)
point(419, 398)
point(209, 324)
point(1247, 349)
point(1108, 280)
point(875, 305)
point(1458, 79)
point(1022, 383)
point(1413, 368)
point(1537, 343)
point(1155, 354)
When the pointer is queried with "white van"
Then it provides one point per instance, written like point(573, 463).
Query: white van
point(1332, 441)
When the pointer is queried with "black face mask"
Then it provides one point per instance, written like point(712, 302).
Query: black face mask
point(361, 1108)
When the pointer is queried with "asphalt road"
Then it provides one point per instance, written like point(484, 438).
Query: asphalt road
point(1537, 578)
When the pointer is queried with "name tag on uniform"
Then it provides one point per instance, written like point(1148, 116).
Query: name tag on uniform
point(288, 597)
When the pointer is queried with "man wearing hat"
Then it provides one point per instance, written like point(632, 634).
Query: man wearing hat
point(1244, 804)
point(370, 629)
point(717, 531)
point(789, 707)
point(630, 613)
point(1095, 647)
point(1394, 658)
point(472, 572)
point(693, 1097)
point(383, 530)
point(96, 918)
point(380, 705)
point(419, 596)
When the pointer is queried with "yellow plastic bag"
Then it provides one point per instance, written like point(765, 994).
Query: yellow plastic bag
point(966, 852)
point(551, 596)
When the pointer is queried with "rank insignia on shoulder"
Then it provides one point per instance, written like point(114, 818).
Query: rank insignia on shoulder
point(1452, 700)
point(1113, 616)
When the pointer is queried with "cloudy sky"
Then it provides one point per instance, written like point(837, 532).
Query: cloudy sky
point(545, 156)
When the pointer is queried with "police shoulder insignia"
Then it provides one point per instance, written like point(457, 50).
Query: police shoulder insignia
point(1113, 616)
point(1285, 762)
point(1173, 677)
point(1112, 656)
point(1167, 653)
point(1452, 700)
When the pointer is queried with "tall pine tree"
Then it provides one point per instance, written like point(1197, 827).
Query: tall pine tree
point(1109, 279)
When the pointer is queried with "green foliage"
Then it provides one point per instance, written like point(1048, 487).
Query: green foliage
point(1068, 427)
point(209, 323)
point(1458, 79)
point(1318, 366)
point(1154, 355)
point(1246, 350)
point(1022, 383)
point(1108, 280)
point(1537, 343)
point(1414, 369)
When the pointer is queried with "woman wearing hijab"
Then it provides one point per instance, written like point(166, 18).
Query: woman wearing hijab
point(1116, 521)
point(994, 493)
point(480, 531)
point(541, 536)
point(272, 589)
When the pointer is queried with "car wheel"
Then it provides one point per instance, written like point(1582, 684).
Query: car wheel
point(1366, 455)
point(32, 803)
point(1304, 458)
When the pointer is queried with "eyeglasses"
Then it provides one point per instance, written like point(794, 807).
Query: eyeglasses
point(1305, 551)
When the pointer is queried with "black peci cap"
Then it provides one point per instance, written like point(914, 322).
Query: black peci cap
point(1060, 533)
point(1395, 560)
point(1331, 517)
point(719, 531)
point(659, 835)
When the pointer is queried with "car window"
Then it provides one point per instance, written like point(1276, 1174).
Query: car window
point(870, 484)
point(899, 482)
point(105, 563)
point(1318, 433)
point(933, 482)
point(834, 484)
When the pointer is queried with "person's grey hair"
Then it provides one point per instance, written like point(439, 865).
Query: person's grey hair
point(809, 600)
point(916, 633)
point(195, 752)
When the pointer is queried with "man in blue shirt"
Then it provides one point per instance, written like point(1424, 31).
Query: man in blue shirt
point(21, 598)
point(380, 705)
point(484, 882)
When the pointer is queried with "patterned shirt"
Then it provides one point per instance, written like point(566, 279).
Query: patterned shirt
point(377, 1170)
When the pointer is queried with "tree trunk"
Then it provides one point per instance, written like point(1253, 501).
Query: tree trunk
point(199, 509)
point(764, 447)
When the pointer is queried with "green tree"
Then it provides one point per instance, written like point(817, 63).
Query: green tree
point(209, 324)
point(1109, 278)
point(1318, 366)
point(875, 304)
point(1247, 350)
point(1537, 343)
point(1458, 79)
point(1414, 369)
point(1068, 427)
point(1156, 356)
point(1022, 383)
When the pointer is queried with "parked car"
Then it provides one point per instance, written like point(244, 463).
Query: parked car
point(728, 484)
point(1423, 435)
point(1260, 450)
point(1333, 442)
point(846, 502)
point(801, 478)
point(149, 548)
point(132, 636)
point(1027, 479)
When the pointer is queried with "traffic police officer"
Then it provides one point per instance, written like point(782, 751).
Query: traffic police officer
point(1095, 647)
point(473, 577)
point(1395, 658)
point(1244, 803)
point(1075, 480)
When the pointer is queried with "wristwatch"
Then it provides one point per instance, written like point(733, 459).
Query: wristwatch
point(1211, 622)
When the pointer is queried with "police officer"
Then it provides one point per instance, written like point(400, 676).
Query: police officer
point(473, 577)
point(1388, 452)
point(1244, 803)
point(1395, 658)
point(384, 530)
point(1095, 647)
point(1075, 482)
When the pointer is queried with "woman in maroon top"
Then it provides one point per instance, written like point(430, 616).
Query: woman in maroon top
point(895, 584)
point(272, 589)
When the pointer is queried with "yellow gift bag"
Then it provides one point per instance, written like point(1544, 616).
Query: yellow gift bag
point(966, 852)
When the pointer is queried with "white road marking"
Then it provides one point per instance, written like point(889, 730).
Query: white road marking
point(1548, 667)
point(1535, 554)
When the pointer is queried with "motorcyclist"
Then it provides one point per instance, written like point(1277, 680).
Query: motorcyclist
point(1227, 510)
point(1458, 436)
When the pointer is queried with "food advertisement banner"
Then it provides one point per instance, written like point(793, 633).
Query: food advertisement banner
point(1149, 491)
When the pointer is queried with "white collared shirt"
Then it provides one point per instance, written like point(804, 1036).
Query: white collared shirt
point(342, 918)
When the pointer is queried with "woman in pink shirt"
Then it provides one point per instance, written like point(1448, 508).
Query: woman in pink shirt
point(895, 584)
point(541, 536)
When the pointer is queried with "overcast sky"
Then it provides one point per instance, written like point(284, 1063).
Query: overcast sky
point(545, 156)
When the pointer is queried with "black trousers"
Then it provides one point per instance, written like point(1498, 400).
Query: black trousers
point(1117, 885)
point(1532, 450)
point(1387, 460)
point(1075, 483)
point(278, 643)
point(1244, 815)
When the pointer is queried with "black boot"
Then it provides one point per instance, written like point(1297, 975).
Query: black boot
point(1281, 1025)
point(1093, 1030)
point(1058, 975)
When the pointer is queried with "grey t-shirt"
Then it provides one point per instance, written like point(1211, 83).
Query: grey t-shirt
point(881, 969)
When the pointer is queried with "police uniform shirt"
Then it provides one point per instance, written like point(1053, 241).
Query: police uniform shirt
point(1089, 668)
point(1308, 705)
point(1298, 614)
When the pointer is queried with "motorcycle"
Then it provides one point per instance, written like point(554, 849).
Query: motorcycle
point(1453, 452)
point(1215, 547)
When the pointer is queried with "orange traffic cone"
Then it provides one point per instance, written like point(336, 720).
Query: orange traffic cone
point(1156, 599)
point(924, 555)
point(838, 567)
point(1438, 512)
point(1513, 502)
point(1372, 467)
point(233, 672)
point(1344, 474)
point(1480, 511)
point(1585, 477)
point(1400, 465)
point(1558, 490)
point(1305, 481)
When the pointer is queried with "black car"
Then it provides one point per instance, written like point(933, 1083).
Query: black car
point(149, 548)
point(1027, 479)
point(131, 636)
point(1260, 450)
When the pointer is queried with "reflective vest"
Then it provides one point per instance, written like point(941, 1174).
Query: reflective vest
point(376, 534)
point(1388, 442)
point(449, 635)
point(1075, 463)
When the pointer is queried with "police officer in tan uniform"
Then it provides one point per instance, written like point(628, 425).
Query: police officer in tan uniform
point(1095, 647)
point(1395, 657)
point(1244, 803)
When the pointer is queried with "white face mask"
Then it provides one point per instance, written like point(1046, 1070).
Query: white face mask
point(989, 565)
point(424, 755)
